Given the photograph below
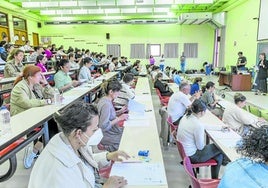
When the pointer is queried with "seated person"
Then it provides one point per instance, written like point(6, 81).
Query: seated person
point(163, 88)
point(209, 99)
point(113, 64)
point(177, 77)
point(136, 69)
point(179, 102)
point(154, 72)
point(68, 160)
point(62, 79)
point(28, 93)
point(112, 133)
point(236, 118)
point(72, 60)
point(191, 134)
point(196, 85)
point(252, 169)
point(84, 72)
point(126, 93)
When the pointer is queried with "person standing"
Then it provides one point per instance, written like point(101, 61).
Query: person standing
point(183, 62)
point(151, 60)
point(162, 63)
point(241, 61)
point(262, 74)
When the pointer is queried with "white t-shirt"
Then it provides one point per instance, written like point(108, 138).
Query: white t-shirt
point(178, 103)
point(191, 134)
point(111, 67)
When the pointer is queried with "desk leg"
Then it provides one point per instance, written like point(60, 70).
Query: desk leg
point(46, 133)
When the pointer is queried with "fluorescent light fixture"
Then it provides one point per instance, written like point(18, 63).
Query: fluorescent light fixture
point(144, 10)
point(144, 2)
point(48, 12)
point(64, 11)
point(161, 10)
point(125, 2)
point(106, 3)
point(79, 11)
point(128, 10)
point(184, 2)
point(49, 4)
point(30, 4)
point(68, 3)
point(164, 2)
point(86, 3)
point(112, 11)
point(95, 11)
point(203, 1)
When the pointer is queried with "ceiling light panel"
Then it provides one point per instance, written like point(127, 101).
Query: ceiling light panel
point(125, 2)
point(144, 2)
point(128, 10)
point(96, 11)
point(68, 3)
point(106, 3)
point(79, 11)
point(144, 10)
point(164, 2)
point(49, 4)
point(161, 9)
point(64, 11)
point(30, 4)
point(47, 12)
point(86, 3)
point(184, 2)
point(112, 11)
point(203, 1)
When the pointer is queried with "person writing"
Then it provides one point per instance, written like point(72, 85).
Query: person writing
point(162, 87)
point(68, 160)
point(235, 117)
point(241, 61)
point(252, 169)
point(191, 134)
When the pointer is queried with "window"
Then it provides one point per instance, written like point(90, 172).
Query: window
point(154, 50)
point(171, 50)
point(191, 50)
point(137, 51)
point(114, 49)
point(19, 23)
point(3, 19)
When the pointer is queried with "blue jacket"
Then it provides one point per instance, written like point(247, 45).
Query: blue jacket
point(194, 88)
point(245, 173)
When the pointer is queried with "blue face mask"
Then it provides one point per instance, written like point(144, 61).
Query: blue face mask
point(94, 139)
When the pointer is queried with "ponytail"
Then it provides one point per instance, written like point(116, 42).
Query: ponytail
point(196, 107)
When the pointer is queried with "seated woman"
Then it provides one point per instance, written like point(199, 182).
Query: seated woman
point(126, 93)
point(236, 118)
point(41, 61)
point(210, 100)
point(108, 120)
point(252, 169)
point(191, 134)
point(195, 87)
point(177, 77)
point(136, 69)
point(28, 93)
point(68, 160)
point(62, 80)
point(163, 88)
point(84, 73)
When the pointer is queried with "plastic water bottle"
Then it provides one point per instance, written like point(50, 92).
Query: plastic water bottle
point(5, 120)
point(57, 99)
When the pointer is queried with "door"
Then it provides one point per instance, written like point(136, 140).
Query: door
point(4, 32)
point(35, 39)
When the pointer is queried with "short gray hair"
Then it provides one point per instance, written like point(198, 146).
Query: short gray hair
point(183, 85)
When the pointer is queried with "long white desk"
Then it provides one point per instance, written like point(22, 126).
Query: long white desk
point(143, 136)
point(25, 122)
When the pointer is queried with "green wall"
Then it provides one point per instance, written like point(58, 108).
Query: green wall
point(242, 29)
point(94, 38)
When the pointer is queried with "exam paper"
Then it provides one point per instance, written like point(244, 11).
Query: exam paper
point(140, 173)
point(135, 106)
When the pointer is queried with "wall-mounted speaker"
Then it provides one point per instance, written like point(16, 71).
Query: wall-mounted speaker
point(39, 25)
point(218, 39)
point(107, 35)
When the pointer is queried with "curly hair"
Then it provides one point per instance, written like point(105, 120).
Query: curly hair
point(77, 116)
point(255, 144)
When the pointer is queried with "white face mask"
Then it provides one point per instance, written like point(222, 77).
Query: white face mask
point(94, 139)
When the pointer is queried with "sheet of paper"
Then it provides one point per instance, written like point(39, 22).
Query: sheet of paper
point(135, 106)
point(137, 116)
point(220, 134)
point(140, 173)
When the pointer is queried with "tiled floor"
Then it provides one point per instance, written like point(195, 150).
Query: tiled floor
point(176, 176)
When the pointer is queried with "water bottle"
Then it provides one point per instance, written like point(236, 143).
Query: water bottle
point(57, 99)
point(5, 120)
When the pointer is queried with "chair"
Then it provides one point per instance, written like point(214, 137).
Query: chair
point(254, 110)
point(172, 128)
point(198, 183)
point(163, 99)
point(210, 162)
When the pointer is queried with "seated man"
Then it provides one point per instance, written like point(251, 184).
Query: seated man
point(163, 88)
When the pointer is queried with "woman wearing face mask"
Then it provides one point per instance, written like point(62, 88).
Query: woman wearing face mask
point(68, 160)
